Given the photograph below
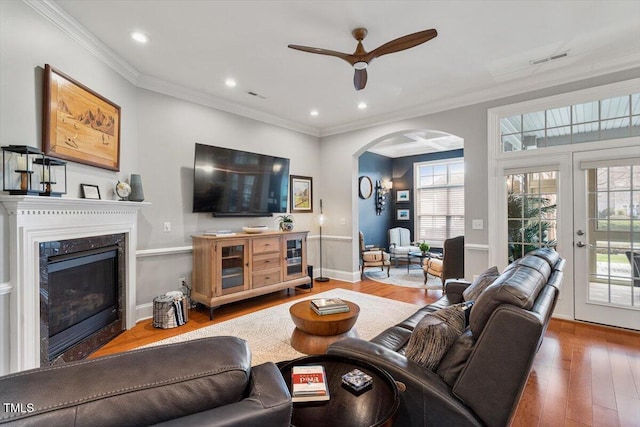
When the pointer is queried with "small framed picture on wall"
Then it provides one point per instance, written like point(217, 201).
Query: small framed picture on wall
point(402, 196)
point(402, 215)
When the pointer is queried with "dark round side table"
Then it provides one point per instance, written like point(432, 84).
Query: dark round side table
point(376, 406)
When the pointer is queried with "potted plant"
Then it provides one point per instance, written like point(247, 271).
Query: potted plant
point(424, 247)
point(285, 222)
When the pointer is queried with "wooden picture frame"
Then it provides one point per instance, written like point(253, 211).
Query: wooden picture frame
point(79, 125)
point(403, 214)
point(90, 191)
point(301, 194)
point(403, 196)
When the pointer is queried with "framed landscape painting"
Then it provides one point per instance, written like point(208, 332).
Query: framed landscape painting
point(79, 125)
point(301, 194)
point(402, 215)
point(402, 196)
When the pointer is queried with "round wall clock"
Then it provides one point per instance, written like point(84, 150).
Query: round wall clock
point(365, 187)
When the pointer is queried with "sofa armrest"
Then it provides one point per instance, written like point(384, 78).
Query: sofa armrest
point(268, 403)
point(456, 286)
point(138, 387)
point(426, 400)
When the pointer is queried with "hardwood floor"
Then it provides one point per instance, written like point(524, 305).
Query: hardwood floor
point(583, 375)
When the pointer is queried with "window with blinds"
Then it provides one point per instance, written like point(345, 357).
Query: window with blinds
point(439, 200)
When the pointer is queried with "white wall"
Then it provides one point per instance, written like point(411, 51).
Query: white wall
point(168, 129)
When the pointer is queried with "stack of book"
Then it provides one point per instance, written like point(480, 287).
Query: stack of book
point(219, 233)
point(309, 384)
point(324, 306)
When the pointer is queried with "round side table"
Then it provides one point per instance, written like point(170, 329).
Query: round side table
point(314, 333)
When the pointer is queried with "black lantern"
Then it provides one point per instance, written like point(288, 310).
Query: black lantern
point(52, 174)
point(18, 170)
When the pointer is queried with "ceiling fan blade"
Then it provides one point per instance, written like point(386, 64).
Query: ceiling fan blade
point(360, 79)
point(402, 43)
point(347, 57)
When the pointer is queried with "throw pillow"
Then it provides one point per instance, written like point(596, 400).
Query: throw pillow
point(434, 334)
point(456, 358)
point(480, 283)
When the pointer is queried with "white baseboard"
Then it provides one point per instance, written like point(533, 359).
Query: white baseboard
point(345, 276)
point(144, 312)
point(562, 317)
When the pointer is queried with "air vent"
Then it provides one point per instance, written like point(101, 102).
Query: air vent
point(257, 95)
point(549, 58)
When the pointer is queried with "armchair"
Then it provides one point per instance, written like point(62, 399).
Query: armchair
point(400, 243)
point(451, 266)
point(372, 258)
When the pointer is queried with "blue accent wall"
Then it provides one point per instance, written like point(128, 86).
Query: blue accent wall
point(374, 226)
point(400, 171)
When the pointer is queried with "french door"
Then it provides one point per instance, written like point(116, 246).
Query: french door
point(607, 236)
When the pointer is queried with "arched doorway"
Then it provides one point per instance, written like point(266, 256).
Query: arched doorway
point(389, 164)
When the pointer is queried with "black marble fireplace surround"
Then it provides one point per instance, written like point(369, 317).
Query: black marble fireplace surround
point(82, 291)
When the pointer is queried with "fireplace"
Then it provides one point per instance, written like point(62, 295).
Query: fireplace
point(81, 289)
point(33, 220)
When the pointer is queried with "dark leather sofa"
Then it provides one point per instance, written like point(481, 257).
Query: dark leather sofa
point(207, 382)
point(479, 380)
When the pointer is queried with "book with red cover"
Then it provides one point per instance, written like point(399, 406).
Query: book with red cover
point(309, 383)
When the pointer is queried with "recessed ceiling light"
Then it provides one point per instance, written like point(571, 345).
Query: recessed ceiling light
point(314, 113)
point(140, 37)
point(362, 105)
point(230, 82)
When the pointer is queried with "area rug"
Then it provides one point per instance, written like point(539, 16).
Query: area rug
point(398, 276)
point(268, 331)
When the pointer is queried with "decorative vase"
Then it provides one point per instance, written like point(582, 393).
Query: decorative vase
point(137, 194)
point(286, 226)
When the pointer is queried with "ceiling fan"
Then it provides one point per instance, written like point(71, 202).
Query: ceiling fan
point(360, 59)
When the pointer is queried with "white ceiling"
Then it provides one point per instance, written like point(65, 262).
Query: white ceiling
point(483, 51)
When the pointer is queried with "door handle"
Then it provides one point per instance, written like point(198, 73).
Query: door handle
point(580, 233)
point(580, 244)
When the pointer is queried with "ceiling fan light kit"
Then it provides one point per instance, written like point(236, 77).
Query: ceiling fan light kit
point(360, 59)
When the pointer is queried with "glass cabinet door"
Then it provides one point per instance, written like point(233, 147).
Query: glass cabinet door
point(233, 261)
point(295, 256)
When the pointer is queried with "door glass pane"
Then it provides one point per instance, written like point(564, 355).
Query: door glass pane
point(558, 117)
point(587, 112)
point(531, 212)
point(614, 107)
point(533, 121)
point(612, 236)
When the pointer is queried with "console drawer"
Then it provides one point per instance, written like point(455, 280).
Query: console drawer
point(266, 261)
point(265, 245)
point(266, 278)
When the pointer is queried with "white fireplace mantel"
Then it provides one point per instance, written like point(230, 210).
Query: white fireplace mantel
point(33, 220)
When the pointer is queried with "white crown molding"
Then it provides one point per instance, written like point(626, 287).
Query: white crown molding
point(51, 11)
point(177, 91)
point(72, 28)
point(511, 88)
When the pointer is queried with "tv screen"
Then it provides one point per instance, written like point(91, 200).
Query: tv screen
point(230, 182)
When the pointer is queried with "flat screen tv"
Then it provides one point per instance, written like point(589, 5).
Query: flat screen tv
point(229, 182)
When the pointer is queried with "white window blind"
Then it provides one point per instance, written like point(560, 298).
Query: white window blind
point(439, 201)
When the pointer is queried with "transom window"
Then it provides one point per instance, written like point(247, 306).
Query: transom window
point(611, 118)
point(440, 200)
